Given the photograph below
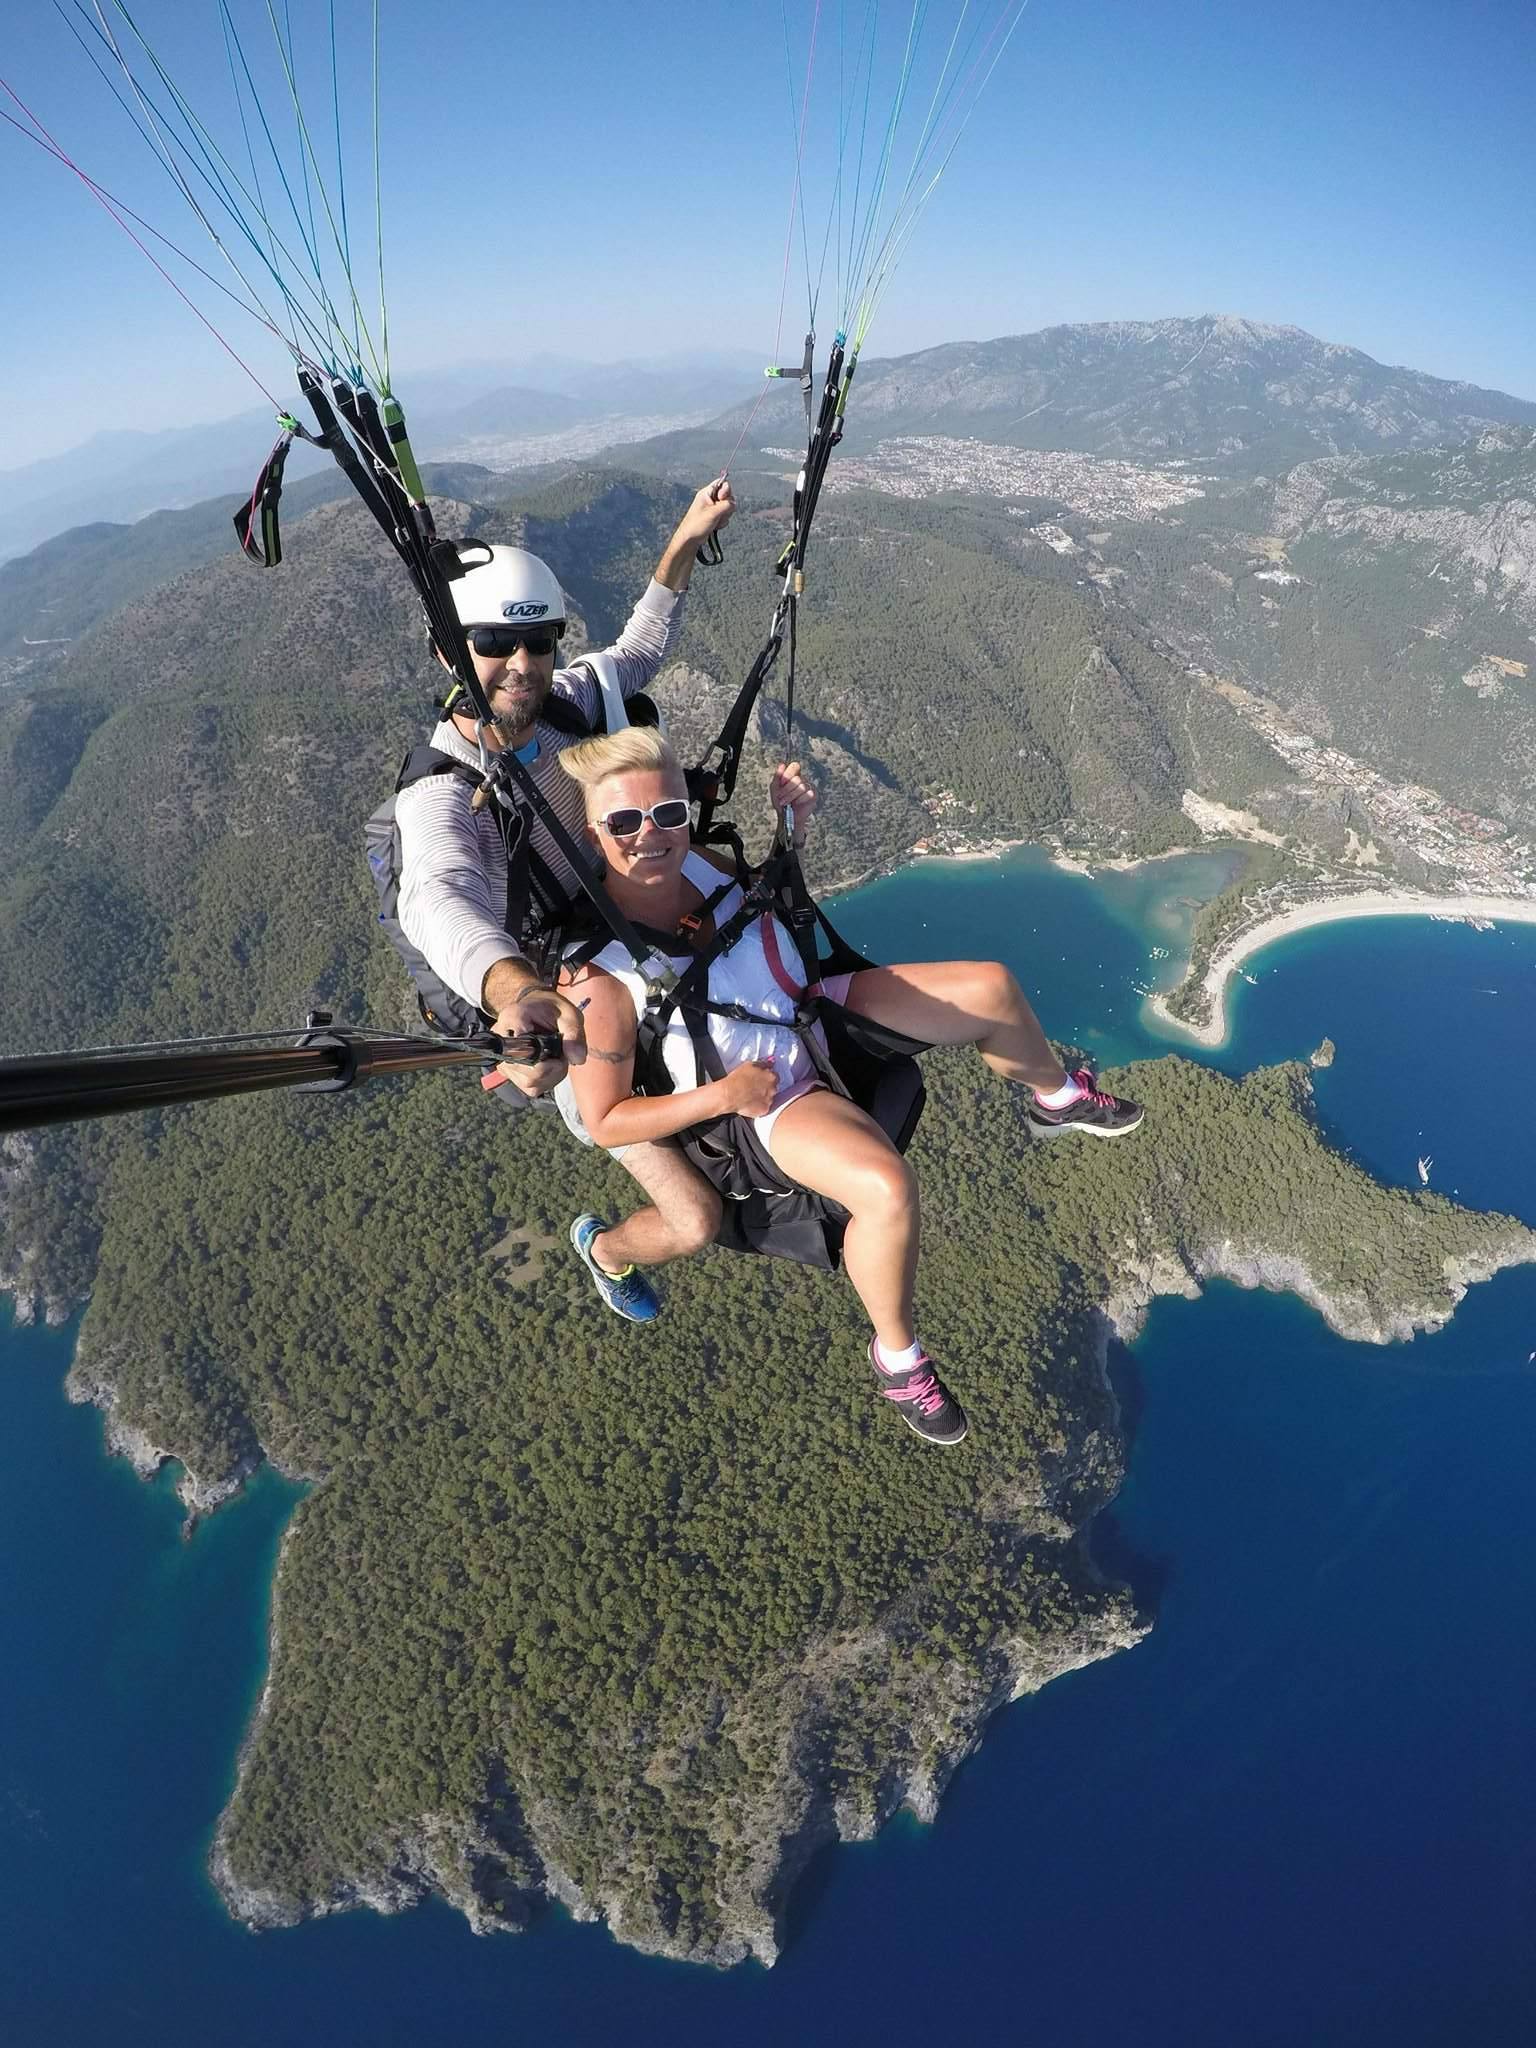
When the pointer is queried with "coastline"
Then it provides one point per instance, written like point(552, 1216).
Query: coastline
point(1214, 1031)
point(998, 849)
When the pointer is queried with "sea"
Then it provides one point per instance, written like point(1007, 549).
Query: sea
point(1301, 1813)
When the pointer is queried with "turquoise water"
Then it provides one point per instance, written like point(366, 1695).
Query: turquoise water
point(1303, 1812)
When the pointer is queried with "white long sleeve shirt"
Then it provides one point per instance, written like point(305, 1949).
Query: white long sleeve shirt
point(453, 866)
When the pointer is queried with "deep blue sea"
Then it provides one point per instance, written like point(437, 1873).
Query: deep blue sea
point(1303, 1812)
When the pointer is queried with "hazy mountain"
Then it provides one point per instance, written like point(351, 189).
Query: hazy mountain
point(685, 380)
point(124, 474)
point(1217, 390)
point(52, 596)
point(509, 409)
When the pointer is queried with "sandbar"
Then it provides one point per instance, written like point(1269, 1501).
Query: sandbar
point(1334, 910)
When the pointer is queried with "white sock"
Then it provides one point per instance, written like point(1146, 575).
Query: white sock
point(897, 1361)
point(1059, 1098)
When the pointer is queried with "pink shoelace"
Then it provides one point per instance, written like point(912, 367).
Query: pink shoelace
point(923, 1390)
point(1085, 1078)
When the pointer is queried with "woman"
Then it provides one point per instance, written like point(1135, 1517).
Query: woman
point(637, 818)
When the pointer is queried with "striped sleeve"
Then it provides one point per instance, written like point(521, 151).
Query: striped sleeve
point(453, 882)
point(639, 651)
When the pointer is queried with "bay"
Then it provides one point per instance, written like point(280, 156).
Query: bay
point(1301, 1812)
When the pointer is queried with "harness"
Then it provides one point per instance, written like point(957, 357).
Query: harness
point(866, 1063)
point(870, 1065)
point(537, 907)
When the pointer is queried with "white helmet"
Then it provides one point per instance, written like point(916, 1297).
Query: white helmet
point(507, 586)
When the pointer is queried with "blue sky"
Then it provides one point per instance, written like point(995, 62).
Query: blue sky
point(612, 179)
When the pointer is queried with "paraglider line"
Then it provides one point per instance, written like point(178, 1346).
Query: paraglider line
point(143, 249)
point(254, 310)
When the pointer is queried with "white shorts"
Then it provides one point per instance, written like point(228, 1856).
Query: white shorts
point(834, 988)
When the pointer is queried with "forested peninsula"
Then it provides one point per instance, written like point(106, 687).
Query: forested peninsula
point(632, 1623)
point(636, 1624)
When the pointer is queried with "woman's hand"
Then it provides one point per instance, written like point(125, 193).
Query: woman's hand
point(791, 790)
point(749, 1090)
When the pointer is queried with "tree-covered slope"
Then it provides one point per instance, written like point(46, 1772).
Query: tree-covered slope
point(633, 1620)
point(632, 1623)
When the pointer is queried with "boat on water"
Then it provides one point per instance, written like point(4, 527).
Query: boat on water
point(1424, 1166)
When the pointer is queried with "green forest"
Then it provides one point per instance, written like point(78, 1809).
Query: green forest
point(582, 1607)
point(633, 1606)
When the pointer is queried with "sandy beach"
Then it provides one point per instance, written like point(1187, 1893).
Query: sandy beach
point(1368, 903)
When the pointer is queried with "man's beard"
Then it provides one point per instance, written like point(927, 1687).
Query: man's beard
point(510, 722)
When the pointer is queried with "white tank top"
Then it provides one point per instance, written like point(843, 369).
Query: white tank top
point(745, 975)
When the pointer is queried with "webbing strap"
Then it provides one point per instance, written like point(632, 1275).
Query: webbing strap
point(775, 960)
point(332, 437)
point(713, 782)
point(256, 522)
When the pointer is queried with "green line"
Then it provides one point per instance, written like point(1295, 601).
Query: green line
point(795, 129)
point(313, 161)
point(309, 197)
point(212, 170)
point(938, 108)
point(875, 292)
point(378, 204)
point(341, 174)
point(914, 31)
point(871, 15)
point(217, 164)
point(250, 152)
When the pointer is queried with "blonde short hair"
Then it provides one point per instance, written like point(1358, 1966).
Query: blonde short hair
point(592, 761)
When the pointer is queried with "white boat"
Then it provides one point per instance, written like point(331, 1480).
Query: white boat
point(1424, 1166)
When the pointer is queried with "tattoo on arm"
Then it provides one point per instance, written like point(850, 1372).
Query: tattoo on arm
point(612, 1059)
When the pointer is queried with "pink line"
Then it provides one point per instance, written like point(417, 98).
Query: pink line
point(92, 187)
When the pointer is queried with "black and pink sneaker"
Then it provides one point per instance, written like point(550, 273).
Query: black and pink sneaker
point(1095, 1113)
point(927, 1406)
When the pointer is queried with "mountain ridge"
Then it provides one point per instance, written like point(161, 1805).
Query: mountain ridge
point(1217, 387)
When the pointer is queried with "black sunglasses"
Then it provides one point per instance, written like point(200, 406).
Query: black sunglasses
point(670, 815)
point(497, 641)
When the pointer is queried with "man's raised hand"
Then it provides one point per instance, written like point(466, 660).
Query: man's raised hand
point(711, 509)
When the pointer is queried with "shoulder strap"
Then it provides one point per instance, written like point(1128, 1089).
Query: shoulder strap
point(423, 761)
point(604, 671)
point(526, 872)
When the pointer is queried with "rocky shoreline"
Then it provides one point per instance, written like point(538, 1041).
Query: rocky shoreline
point(932, 1729)
point(929, 1732)
point(1142, 1281)
point(88, 1383)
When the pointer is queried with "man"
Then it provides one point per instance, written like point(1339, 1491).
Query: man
point(453, 873)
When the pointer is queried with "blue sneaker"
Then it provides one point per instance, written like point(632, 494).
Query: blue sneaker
point(628, 1294)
